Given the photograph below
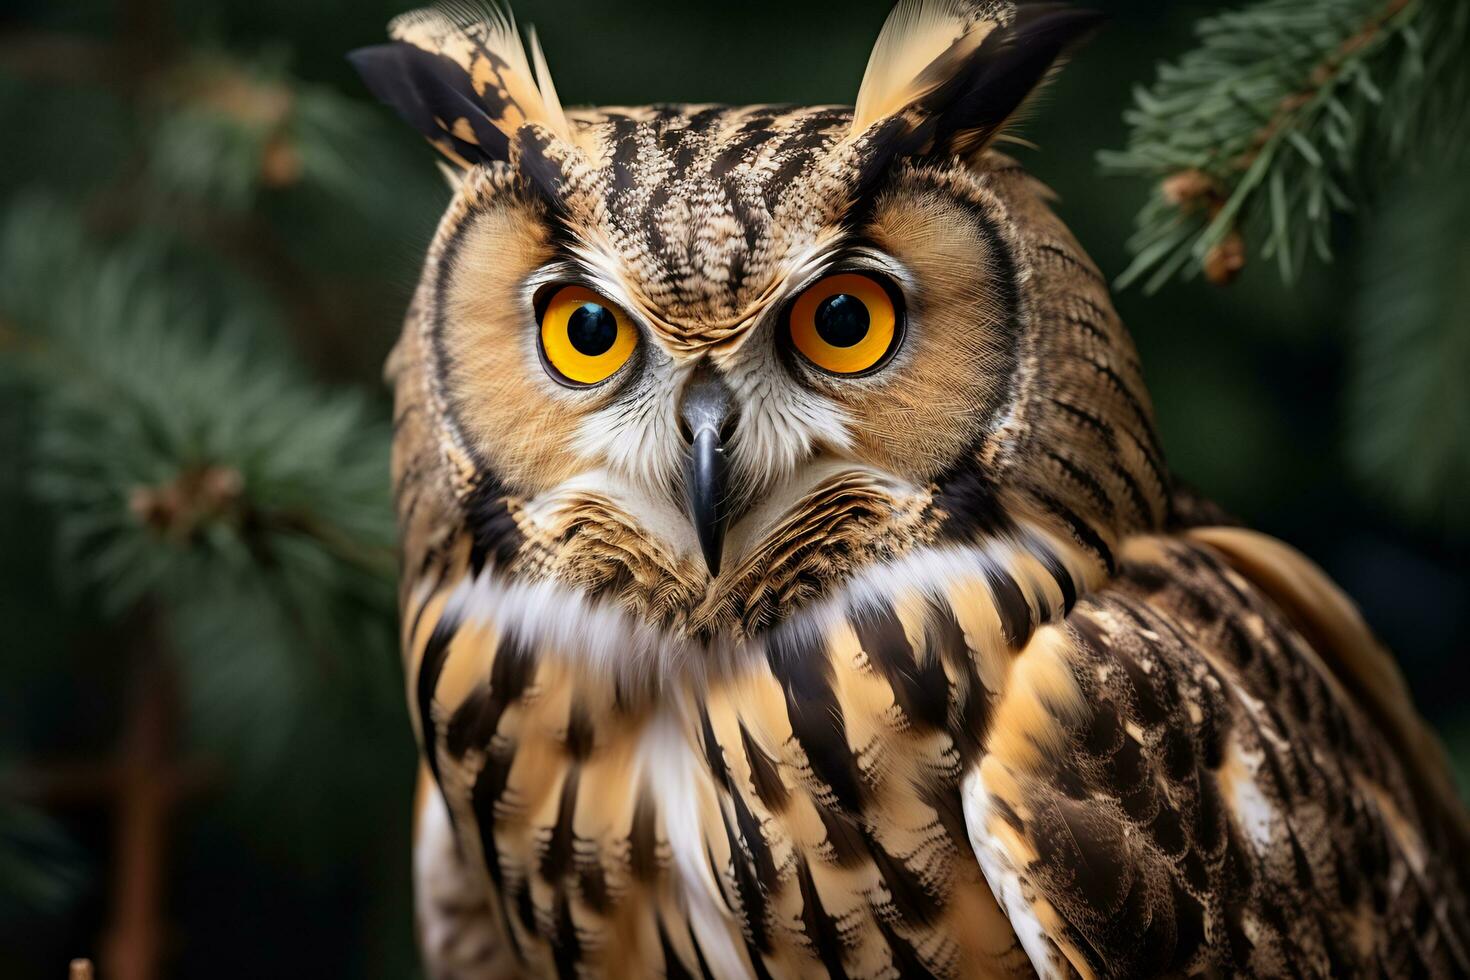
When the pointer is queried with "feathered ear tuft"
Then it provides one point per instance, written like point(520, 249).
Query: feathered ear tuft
point(459, 75)
point(956, 71)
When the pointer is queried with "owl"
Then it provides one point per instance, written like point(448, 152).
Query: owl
point(793, 584)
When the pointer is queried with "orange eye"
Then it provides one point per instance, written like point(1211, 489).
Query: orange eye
point(585, 337)
point(845, 324)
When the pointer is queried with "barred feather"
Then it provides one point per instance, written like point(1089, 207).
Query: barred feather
point(915, 36)
point(459, 74)
point(958, 71)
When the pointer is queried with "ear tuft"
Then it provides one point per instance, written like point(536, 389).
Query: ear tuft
point(459, 74)
point(915, 35)
point(956, 71)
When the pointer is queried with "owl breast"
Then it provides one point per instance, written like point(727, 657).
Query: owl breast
point(763, 807)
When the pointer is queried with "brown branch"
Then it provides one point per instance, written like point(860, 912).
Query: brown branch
point(1193, 189)
point(1321, 76)
point(134, 943)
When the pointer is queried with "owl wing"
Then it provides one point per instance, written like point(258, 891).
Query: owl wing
point(1218, 768)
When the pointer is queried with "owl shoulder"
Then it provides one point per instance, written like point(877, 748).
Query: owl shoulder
point(1228, 775)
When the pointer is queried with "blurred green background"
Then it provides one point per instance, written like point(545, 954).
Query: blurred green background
point(202, 218)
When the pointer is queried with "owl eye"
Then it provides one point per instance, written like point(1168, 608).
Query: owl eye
point(584, 337)
point(845, 323)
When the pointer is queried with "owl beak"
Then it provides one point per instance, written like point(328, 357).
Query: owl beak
point(705, 415)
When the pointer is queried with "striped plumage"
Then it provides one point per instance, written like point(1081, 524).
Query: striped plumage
point(974, 692)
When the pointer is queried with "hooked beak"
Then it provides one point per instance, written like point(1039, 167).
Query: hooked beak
point(705, 414)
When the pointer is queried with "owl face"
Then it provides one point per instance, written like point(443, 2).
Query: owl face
point(615, 362)
point(707, 362)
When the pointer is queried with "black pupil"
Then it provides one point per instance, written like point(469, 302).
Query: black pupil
point(592, 329)
point(842, 320)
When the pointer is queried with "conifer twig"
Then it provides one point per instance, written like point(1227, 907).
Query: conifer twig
point(1287, 114)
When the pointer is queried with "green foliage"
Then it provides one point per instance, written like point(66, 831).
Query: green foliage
point(171, 448)
point(225, 130)
point(1287, 113)
point(1409, 398)
point(221, 247)
point(40, 870)
point(191, 468)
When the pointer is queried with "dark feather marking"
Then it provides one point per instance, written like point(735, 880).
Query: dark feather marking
point(1070, 260)
point(540, 171)
point(717, 876)
point(949, 804)
point(643, 838)
point(1082, 531)
point(972, 717)
point(474, 724)
point(765, 777)
point(493, 531)
point(821, 930)
point(580, 737)
point(1136, 496)
point(566, 951)
point(985, 90)
point(1093, 850)
point(793, 166)
point(748, 847)
point(423, 88)
point(912, 899)
point(557, 858)
point(431, 665)
point(511, 673)
point(920, 687)
point(801, 666)
point(525, 909)
point(1090, 327)
point(1104, 431)
point(1140, 414)
point(714, 752)
point(649, 223)
point(967, 498)
point(965, 493)
point(843, 837)
point(592, 886)
point(1088, 420)
point(673, 967)
point(733, 153)
point(879, 150)
point(1086, 481)
point(1059, 574)
point(624, 164)
point(905, 958)
point(1015, 615)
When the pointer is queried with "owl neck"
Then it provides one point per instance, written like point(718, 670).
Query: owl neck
point(1019, 579)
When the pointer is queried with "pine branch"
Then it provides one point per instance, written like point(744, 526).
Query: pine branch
point(1287, 114)
point(190, 467)
point(228, 129)
point(164, 433)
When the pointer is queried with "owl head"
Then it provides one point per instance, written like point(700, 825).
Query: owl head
point(706, 365)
